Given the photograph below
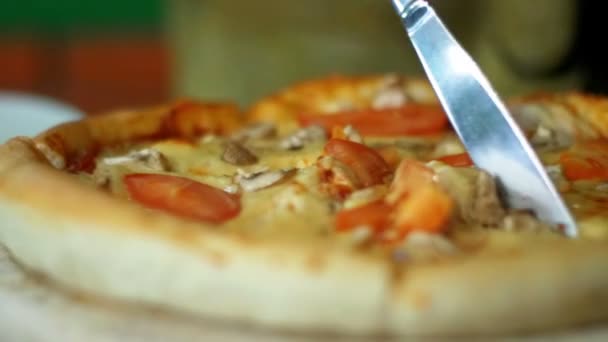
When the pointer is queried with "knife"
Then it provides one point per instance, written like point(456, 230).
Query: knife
point(487, 130)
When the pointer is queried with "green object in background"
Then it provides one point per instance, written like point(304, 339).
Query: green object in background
point(73, 16)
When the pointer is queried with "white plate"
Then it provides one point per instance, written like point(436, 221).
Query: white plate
point(26, 114)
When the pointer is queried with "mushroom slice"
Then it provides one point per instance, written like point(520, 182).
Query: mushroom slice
point(237, 154)
point(261, 180)
point(299, 138)
point(148, 158)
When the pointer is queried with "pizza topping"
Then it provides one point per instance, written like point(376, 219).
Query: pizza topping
point(145, 160)
point(588, 161)
point(298, 139)
point(347, 132)
point(558, 178)
point(374, 216)
point(237, 154)
point(547, 127)
point(258, 130)
point(183, 197)
point(367, 164)
point(414, 203)
point(521, 221)
point(428, 208)
point(56, 159)
point(365, 196)
point(148, 158)
point(457, 160)
point(474, 192)
point(411, 119)
point(450, 145)
point(410, 175)
point(338, 179)
point(487, 209)
point(261, 180)
point(392, 95)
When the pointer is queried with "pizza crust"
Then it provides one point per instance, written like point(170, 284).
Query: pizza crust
point(90, 241)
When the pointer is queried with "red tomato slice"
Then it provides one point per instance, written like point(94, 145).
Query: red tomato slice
point(374, 215)
point(366, 163)
point(409, 176)
point(584, 167)
point(588, 161)
point(457, 160)
point(427, 209)
point(411, 119)
point(183, 197)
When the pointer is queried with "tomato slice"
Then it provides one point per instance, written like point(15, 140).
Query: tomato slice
point(410, 175)
point(586, 162)
point(183, 197)
point(427, 209)
point(584, 167)
point(367, 164)
point(411, 119)
point(374, 215)
point(457, 160)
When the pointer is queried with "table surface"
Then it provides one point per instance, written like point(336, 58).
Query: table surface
point(34, 312)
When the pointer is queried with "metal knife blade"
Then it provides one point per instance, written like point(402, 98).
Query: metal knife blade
point(489, 133)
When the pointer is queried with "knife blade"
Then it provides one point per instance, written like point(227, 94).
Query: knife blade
point(483, 123)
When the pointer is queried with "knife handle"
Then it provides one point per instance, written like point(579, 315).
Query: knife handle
point(414, 12)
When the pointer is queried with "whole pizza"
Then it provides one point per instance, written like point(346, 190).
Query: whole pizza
point(343, 206)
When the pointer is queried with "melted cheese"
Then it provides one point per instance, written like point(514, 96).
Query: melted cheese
point(297, 208)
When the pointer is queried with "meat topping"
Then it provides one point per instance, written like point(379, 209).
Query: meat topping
point(475, 194)
point(487, 209)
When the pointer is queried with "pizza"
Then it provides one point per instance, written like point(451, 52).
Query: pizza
point(344, 205)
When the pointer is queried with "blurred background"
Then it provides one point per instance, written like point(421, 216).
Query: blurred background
point(98, 55)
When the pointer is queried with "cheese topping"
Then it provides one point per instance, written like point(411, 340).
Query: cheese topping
point(282, 192)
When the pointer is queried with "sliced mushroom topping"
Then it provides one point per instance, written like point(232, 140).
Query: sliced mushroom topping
point(54, 157)
point(143, 160)
point(261, 180)
point(237, 154)
point(352, 134)
point(259, 130)
point(544, 125)
point(301, 137)
point(148, 158)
